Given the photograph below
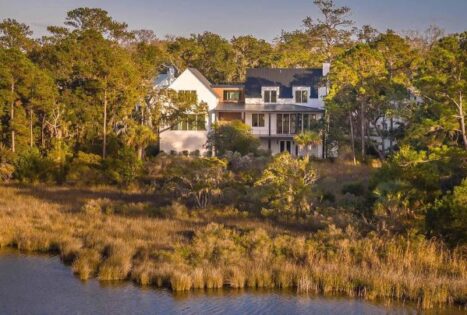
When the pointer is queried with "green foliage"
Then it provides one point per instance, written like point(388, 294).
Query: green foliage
point(413, 180)
point(447, 217)
point(356, 189)
point(306, 139)
point(6, 163)
point(31, 167)
point(286, 186)
point(197, 179)
point(85, 168)
point(233, 136)
point(442, 81)
point(124, 168)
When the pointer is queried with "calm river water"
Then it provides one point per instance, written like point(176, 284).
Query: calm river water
point(43, 285)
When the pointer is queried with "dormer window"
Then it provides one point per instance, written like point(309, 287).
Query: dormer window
point(231, 95)
point(301, 96)
point(270, 96)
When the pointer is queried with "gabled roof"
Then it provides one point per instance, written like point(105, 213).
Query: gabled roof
point(284, 78)
point(201, 78)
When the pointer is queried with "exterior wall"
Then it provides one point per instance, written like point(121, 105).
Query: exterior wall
point(187, 81)
point(229, 116)
point(181, 140)
point(189, 140)
point(258, 130)
point(220, 93)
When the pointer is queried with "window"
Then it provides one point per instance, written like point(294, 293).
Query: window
point(191, 122)
point(257, 120)
point(301, 96)
point(188, 93)
point(289, 124)
point(231, 96)
point(270, 96)
point(285, 146)
point(310, 121)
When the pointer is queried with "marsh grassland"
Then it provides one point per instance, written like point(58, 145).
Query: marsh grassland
point(122, 235)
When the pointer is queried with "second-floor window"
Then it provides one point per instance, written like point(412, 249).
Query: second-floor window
point(232, 96)
point(191, 122)
point(270, 96)
point(301, 96)
point(257, 120)
point(188, 93)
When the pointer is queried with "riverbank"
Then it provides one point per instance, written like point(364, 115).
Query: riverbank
point(101, 233)
point(40, 284)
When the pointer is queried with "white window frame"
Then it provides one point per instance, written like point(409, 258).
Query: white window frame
point(301, 88)
point(258, 120)
point(267, 89)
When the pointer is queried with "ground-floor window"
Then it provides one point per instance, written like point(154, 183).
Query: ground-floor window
point(285, 145)
point(257, 120)
point(191, 122)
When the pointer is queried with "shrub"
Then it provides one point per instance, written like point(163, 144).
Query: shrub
point(86, 168)
point(6, 172)
point(124, 168)
point(6, 163)
point(233, 136)
point(30, 166)
point(197, 178)
point(448, 216)
point(356, 189)
point(286, 185)
point(97, 206)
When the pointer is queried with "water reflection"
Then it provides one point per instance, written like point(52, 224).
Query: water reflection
point(43, 285)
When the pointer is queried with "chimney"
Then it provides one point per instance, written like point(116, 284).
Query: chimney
point(326, 68)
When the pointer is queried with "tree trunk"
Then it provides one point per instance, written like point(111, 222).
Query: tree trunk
point(352, 138)
point(140, 152)
point(42, 132)
point(391, 135)
point(462, 120)
point(12, 117)
point(362, 129)
point(31, 136)
point(383, 146)
point(104, 125)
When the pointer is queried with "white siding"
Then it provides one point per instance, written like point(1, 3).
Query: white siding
point(189, 140)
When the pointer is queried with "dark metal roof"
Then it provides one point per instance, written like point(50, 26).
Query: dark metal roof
point(285, 79)
point(235, 107)
point(227, 86)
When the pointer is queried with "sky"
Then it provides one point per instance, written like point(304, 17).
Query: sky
point(261, 18)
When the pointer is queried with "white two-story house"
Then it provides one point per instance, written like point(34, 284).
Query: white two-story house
point(276, 103)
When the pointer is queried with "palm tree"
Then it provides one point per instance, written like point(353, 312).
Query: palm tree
point(306, 139)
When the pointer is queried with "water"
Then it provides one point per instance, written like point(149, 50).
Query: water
point(43, 285)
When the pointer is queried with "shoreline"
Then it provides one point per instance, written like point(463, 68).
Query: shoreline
point(225, 291)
